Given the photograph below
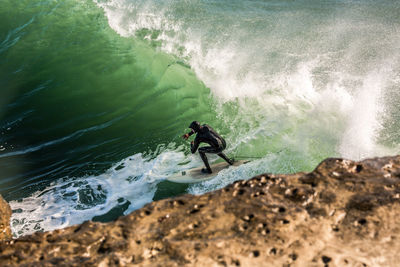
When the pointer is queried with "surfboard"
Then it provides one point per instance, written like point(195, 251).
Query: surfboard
point(195, 175)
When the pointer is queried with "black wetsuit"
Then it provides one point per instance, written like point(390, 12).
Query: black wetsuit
point(206, 134)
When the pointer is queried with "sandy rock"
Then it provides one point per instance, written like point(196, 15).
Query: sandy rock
point(344, 213)
point(5, 214)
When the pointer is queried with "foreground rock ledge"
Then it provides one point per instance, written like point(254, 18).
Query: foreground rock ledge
point(344, 213)
point(5, 215)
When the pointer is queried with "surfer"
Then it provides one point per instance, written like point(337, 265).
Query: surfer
point(206, 134)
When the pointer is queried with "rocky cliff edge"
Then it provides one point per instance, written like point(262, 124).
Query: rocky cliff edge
point(344, 213)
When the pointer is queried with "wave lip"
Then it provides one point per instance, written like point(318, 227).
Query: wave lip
point(303, 60)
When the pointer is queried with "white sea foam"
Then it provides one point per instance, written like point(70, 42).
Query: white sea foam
point(227, 176)
point(73, 200)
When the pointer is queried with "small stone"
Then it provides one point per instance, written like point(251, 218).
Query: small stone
point(179, 202)
point(147, 254)
point(265, 232)
point(238, 192)
point(247, 218)
point(332, 212)
point(340, 217)
point(243, 227)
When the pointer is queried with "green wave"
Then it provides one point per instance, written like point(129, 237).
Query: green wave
point(84, 96)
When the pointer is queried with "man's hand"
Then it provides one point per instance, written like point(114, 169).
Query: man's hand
point(185, 136)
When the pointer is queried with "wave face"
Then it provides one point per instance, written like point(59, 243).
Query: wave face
point(96, 94)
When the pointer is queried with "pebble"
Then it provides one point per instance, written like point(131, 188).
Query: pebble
point(332, 212)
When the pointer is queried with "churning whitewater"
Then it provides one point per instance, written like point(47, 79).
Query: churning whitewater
point(97, 95)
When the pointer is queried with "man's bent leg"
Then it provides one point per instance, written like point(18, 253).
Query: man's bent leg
point(222, 155)
point(204, 158)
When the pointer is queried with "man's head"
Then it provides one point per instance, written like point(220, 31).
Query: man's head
point(195, 125)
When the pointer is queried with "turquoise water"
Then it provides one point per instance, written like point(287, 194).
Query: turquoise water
point(96, 94)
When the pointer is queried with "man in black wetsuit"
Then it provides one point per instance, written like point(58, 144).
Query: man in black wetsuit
point(206, 134)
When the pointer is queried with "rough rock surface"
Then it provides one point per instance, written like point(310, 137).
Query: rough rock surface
point(5, 214)
point(344, 213)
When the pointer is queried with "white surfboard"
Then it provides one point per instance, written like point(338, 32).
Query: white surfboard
point(195, 175)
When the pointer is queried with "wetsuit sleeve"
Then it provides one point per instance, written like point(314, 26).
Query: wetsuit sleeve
point(191, 133)
point(195, 145)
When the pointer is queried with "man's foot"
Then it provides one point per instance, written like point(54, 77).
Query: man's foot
point(204, 170)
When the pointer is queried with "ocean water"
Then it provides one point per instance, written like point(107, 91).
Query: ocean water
point(95, 94)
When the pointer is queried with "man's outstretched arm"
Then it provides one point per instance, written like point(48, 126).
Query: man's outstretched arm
point(186, 136)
